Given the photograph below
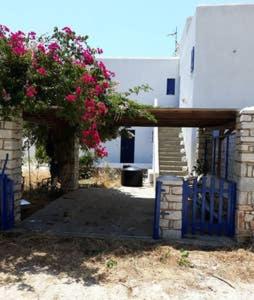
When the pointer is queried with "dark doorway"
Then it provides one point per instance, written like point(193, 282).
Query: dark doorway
point(127, 148)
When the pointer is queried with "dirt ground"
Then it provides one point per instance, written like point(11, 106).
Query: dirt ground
point(111, 212)
point(34, 266)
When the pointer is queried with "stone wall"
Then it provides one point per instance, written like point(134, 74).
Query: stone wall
point(244, 174)
point(11, 143)
point(171, 207)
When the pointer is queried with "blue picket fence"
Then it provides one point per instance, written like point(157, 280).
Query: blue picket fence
point(6, 200)
point(209, 206)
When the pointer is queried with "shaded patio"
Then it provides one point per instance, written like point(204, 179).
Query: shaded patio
point(97, 211)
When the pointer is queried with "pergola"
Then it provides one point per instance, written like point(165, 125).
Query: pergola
point(166, 117)
point(186, 117)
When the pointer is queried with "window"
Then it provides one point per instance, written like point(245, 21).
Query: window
point(171, 86)
point(192, 59)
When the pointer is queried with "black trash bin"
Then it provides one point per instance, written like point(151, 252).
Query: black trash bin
point(132, 176)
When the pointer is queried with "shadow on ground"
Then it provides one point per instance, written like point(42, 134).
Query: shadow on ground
point(108, 212)
point(84, 260)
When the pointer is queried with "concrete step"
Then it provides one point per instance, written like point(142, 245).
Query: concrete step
point(171, 168)
point(164, 152)
point(172, 147)
point(172, 158)
point(167, 162)
point(174, 173)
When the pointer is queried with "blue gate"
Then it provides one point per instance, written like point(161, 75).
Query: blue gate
point(156, 219)
point(6, 200)
point(209, 207)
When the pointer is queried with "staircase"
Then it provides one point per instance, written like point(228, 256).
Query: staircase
point(172, 160)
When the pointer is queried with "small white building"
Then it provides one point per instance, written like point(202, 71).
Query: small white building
point(162, 75)
point(214, 69)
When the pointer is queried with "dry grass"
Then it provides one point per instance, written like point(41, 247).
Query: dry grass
point(99, 261)
point(37, 176)
point(103, 177)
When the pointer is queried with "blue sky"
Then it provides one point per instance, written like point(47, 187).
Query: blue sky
point(132, 28)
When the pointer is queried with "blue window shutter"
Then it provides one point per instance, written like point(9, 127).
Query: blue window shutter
point(192, 59)
point(170, 86)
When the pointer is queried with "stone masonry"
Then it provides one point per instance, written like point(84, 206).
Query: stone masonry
point(171, 207)
point(244, 174)
point(11, 143)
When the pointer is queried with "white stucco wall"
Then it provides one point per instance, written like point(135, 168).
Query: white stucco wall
point(187, 80)
point(132, 72)
point(224, 68)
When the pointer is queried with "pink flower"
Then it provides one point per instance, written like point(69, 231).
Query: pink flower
point(91, 137)
point(101, 151)
point(41, 48)
point(102, 108)
point(106, 73)
point(67, 30)
point(17, 43)
point(78, 91)
point(53, 47)
point(99, 90)
point(31, 91)
point(42, 71)
point(57, 59)
point(32, 35)
point(87, 78)
point(105, 85)
point(88, 57)
point(71, 98)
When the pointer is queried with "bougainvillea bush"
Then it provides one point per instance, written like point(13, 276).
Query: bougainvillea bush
point(61, 71)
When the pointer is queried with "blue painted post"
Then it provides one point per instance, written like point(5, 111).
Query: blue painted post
point(221, 194)
point(226, 156)
point(194, 205)
point(203, 204)
point(212, 192)
point(233, 208)
point(156, 222)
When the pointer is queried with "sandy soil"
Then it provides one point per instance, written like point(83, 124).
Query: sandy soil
point(43, 267)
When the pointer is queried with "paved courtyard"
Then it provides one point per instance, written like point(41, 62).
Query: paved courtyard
point(97, 211)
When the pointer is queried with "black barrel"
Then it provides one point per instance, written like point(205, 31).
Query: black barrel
point(132, 176)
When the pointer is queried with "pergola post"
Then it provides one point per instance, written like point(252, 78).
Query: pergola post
point(244, 174)
point(11, 144)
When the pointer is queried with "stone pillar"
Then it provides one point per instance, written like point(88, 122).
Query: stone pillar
point(11, 143)
point(244, 174)
point(171, 207)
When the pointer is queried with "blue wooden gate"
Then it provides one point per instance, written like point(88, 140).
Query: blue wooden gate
point(156, 219)
point(209, 206)
point(6, 200)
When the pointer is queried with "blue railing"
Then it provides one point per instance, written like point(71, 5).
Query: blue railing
point(6, 200)
point(209, 207)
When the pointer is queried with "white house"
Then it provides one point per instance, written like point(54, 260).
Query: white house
point(214, 69)
point(162, 75)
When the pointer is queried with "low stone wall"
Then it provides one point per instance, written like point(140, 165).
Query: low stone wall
point(11, 143)
point(171, 207)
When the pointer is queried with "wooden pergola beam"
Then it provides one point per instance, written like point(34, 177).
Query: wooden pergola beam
point(166, 117)
point(186, 117)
